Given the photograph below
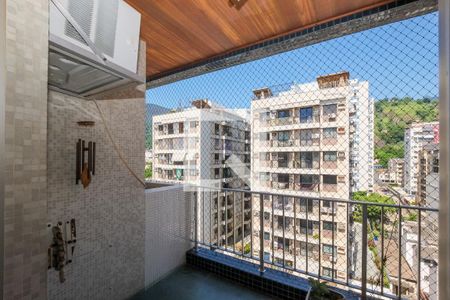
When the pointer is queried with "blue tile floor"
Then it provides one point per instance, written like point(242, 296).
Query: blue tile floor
point(188, 283)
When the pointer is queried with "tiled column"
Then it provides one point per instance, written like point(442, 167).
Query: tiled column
point(2, 129)
point(444, 160)
point(25, 174)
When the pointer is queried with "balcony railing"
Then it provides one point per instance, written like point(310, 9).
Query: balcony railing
point(359, 247)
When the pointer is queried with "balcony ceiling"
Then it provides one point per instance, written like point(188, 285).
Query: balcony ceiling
point(180, 33)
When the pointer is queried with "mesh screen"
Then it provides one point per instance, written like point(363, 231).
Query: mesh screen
point(321, 161)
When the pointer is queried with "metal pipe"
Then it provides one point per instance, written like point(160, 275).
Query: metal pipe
point(295, 235)
point(382, 250)
point(320, 240)
point(234, 224)
point(284, 232)
point(195, 222)
point(348, 244)
point(210, 219)
point(273, 235)
point(419, 252)
point(261, 235)
point(337, 200)
point(332, 241)
point(364, 253)
point(226, 220)
point(203, 216)
point(243, 227)
point(399, 253)
point(251, 224)
point(307, 233)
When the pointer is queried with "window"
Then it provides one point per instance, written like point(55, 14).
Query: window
point(330, 133)
point(160, 127)
point(330, 156)
point(329, 179)
point(306, 204)
point(283, 160)
point(283, 135)
point(306, 226)
point(306, 179)
point(306, 115)
point(267, 256)
point(283, 113)
point(283, 177)
point(328, 226)
point(306, 134)
point(328, 249)
point(306, 160)
point(329, 109)
point(266, 236)
point(216, 129)
point(170, 128)
point(181, 127)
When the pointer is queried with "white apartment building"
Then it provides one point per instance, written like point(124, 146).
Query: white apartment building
point(208, 146)
point(395, 169)
point(417, 135)
point(428, 182)
point(312, 141)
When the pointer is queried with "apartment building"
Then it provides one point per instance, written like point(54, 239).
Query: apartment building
point(395, 170)
point(428, 181)
point(311, 141)
point(208, 146)
point(417, 135)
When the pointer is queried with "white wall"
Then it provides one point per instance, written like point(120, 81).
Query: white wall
point(168, 227)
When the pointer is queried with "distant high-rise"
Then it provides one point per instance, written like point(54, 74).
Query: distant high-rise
point(417, 135)
point(208, 145)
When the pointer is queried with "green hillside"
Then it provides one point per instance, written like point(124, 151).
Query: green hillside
point(392, 116)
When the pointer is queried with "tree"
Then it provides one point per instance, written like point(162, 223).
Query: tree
point(148, 171)
point(392, 117)
point(373, 211)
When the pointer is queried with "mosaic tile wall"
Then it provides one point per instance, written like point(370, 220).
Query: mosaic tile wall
point(25, 149)
point(168, 213)
point(108, 261)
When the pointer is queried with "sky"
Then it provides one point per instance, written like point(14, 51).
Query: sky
point(398, 60)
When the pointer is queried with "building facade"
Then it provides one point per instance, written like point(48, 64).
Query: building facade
point(208, 146)
point(417, 135)
point(428, 181)
point(395, 170)
point(311, 141)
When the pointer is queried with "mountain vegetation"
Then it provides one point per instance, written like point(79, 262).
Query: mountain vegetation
point(392, 117)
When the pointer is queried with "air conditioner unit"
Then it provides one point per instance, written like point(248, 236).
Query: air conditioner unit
point(93, 46)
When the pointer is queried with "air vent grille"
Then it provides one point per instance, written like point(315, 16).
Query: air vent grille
point(82, 12)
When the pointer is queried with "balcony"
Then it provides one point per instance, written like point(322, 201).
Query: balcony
point(81, 222)
point(318, 232)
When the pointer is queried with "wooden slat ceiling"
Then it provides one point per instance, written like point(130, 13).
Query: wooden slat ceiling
point(182, 32)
